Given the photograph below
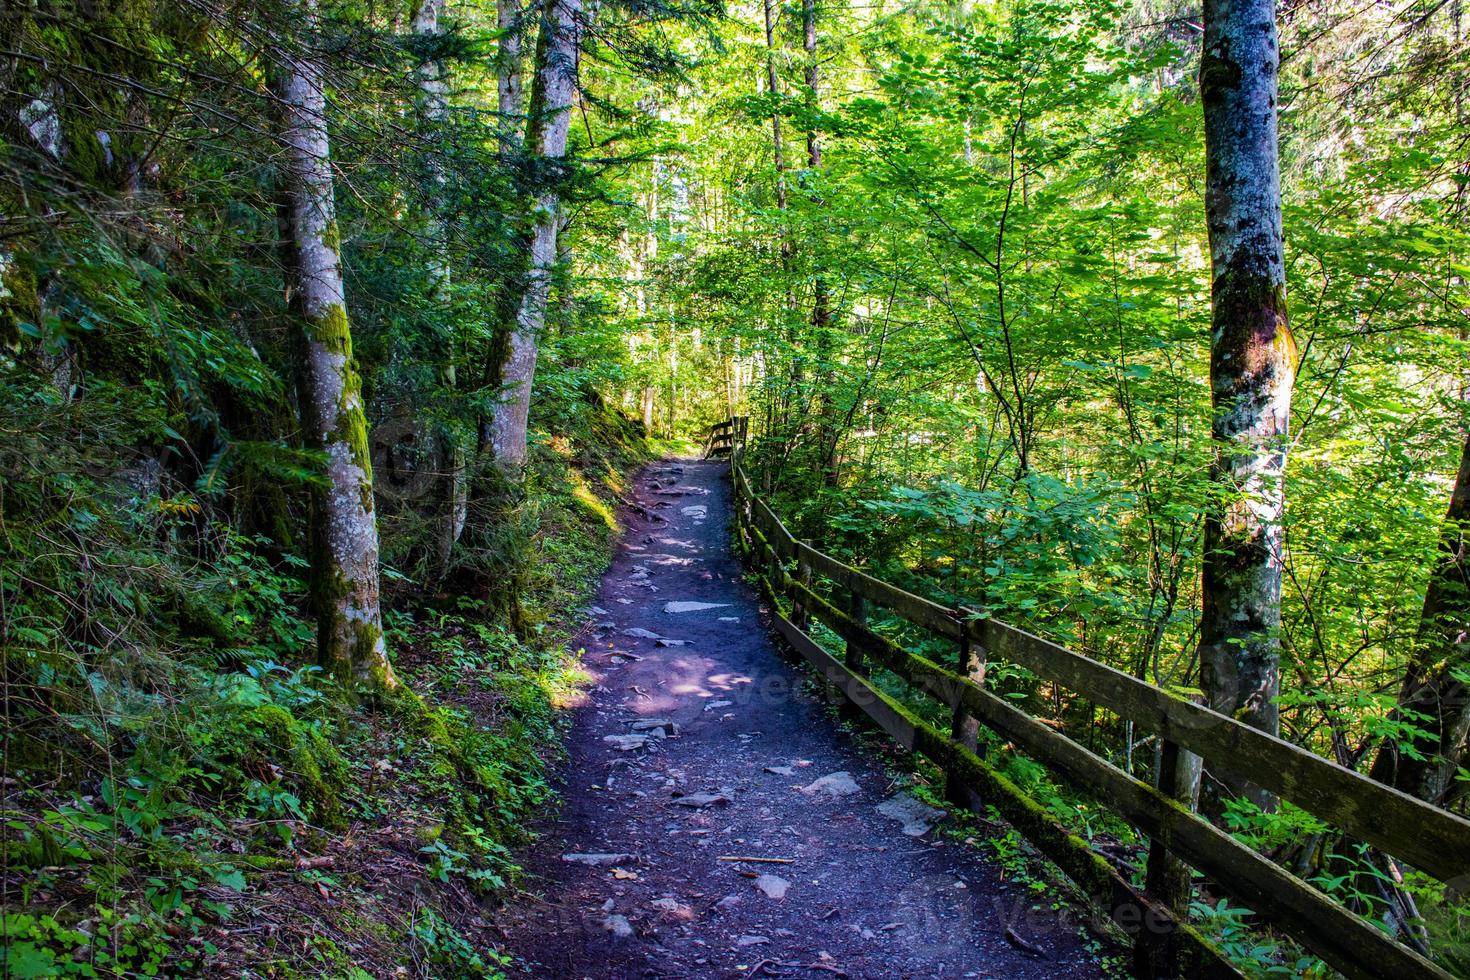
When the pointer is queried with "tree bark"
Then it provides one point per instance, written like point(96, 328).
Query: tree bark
point(1430, 687)
point(773, 87)
point(1252, 362)
point(511, 97)
point(557, 51)
point(344, 559)
point(452, 498)
point(821, 299)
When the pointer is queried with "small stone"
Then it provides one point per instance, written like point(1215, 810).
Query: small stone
point(729, 902)
point(657, 727)
point(717, 704)
point(729, 619)
point(772, 886)
point(686, 606)
point(699, 801)
point(673, 908)
point(781, 770)
point(697, 510)
point(642, 634)
point(596, 860)
point(596, 611)
point(627, 743)
point(751, 941)
point(833, 784)
point(618, 925)
point(917, 818)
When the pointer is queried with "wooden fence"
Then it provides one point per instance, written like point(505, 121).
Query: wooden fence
point(802, 584)
point(724, 436)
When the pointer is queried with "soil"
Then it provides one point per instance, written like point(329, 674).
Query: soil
point(726, 735)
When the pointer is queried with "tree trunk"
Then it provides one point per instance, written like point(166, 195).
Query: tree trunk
point(1430, 687)
point(344, 559)
point(821, 300)
point(557, 50)
point(778, 149)
point(1252, 361)
point(508, 60)
point(646, 401)
point(452, 499)
point(774, 88)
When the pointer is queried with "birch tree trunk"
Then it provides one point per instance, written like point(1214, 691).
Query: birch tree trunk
point(557, 50)
point(508, 82)
point(452, 498)
point(344, 531)
point(1252, 362)
point(1430, 687)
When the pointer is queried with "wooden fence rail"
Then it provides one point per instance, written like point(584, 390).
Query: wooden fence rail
point(1432, 840)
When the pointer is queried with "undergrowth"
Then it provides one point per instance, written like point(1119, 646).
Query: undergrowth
point(184, 793)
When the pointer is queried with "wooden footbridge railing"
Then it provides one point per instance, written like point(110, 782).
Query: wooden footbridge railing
point(803, 584)
point(724, 436)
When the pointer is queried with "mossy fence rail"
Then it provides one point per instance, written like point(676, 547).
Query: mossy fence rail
point(802, 584)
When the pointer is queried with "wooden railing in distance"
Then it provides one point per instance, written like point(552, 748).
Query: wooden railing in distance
point(723, 436)
point(1432, 840)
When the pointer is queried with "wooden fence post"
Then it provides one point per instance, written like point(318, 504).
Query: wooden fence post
point(857, 609)
point(964, 728)
point(1156, 948)
point(853, 657)
point(800, 617)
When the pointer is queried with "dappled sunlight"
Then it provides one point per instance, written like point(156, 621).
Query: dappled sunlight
point(729, 682)
point(594, 504)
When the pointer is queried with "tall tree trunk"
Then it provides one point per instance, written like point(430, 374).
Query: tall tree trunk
point(344, 559)
point(778, 150)
point(508, 62)
point(1252, 362)
point(773, 87)
point(1425, 767)
point(645, 404)
point(821, 300)
point(557, 51)
point(452, 498)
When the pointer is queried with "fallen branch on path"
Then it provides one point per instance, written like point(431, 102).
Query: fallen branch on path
point(1014, 938)
point(757, 860)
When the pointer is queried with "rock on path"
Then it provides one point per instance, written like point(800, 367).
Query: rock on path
point(715, 818)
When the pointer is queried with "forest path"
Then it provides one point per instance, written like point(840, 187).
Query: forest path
point(705, 745)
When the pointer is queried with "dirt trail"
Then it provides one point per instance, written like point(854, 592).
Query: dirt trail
point(706, 745)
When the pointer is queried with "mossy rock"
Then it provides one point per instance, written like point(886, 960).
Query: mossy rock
point(313, 768)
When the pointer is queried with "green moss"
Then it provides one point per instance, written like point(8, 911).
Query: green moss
point(20, 300)
point(315, 768)
point(332, 237)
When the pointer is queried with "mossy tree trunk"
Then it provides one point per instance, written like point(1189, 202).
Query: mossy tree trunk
point(344, 532)
point(1252, 362)
point(557, 51)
